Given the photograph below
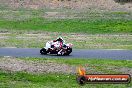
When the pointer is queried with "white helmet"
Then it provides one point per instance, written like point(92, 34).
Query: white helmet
point(60, 39)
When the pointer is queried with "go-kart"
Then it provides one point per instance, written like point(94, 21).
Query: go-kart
point(54, 47)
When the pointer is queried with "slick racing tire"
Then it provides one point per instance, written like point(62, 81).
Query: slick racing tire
point(43, 51)
point(68, 51)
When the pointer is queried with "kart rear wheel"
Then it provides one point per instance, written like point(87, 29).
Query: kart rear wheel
point(43, 51)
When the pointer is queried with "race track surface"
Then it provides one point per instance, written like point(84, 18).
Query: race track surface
point(77, 53)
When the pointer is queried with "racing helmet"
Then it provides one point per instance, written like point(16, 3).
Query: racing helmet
point(60, 39)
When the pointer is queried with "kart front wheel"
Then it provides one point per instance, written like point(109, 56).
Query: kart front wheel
point(43, 51)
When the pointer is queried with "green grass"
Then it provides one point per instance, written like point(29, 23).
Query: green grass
point(84, 21)
point(71, 25)
point(58, 80)
point(37, 39)
point(26, 80)
point(95, 23)
point(83, 61)
point(120, 13)
point(106, 66)
point(90, 22)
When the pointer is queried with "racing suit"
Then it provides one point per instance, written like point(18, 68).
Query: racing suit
point(61, 44)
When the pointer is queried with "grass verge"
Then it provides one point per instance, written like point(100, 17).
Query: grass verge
point(82, 61)
point(22, 79)
point(25, 80)
point(71, 25)
point(92, 65)
point(37, 39)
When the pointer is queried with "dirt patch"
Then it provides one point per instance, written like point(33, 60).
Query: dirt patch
point(123, 70)
point(72, 4)
point(14, 64)
point(46, 66)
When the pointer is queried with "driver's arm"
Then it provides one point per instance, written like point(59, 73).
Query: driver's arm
point(54, 40)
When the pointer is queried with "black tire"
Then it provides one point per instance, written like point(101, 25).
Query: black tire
point(68, 51)
point(43, 51)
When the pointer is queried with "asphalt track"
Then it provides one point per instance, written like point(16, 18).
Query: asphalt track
point(77, 53)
